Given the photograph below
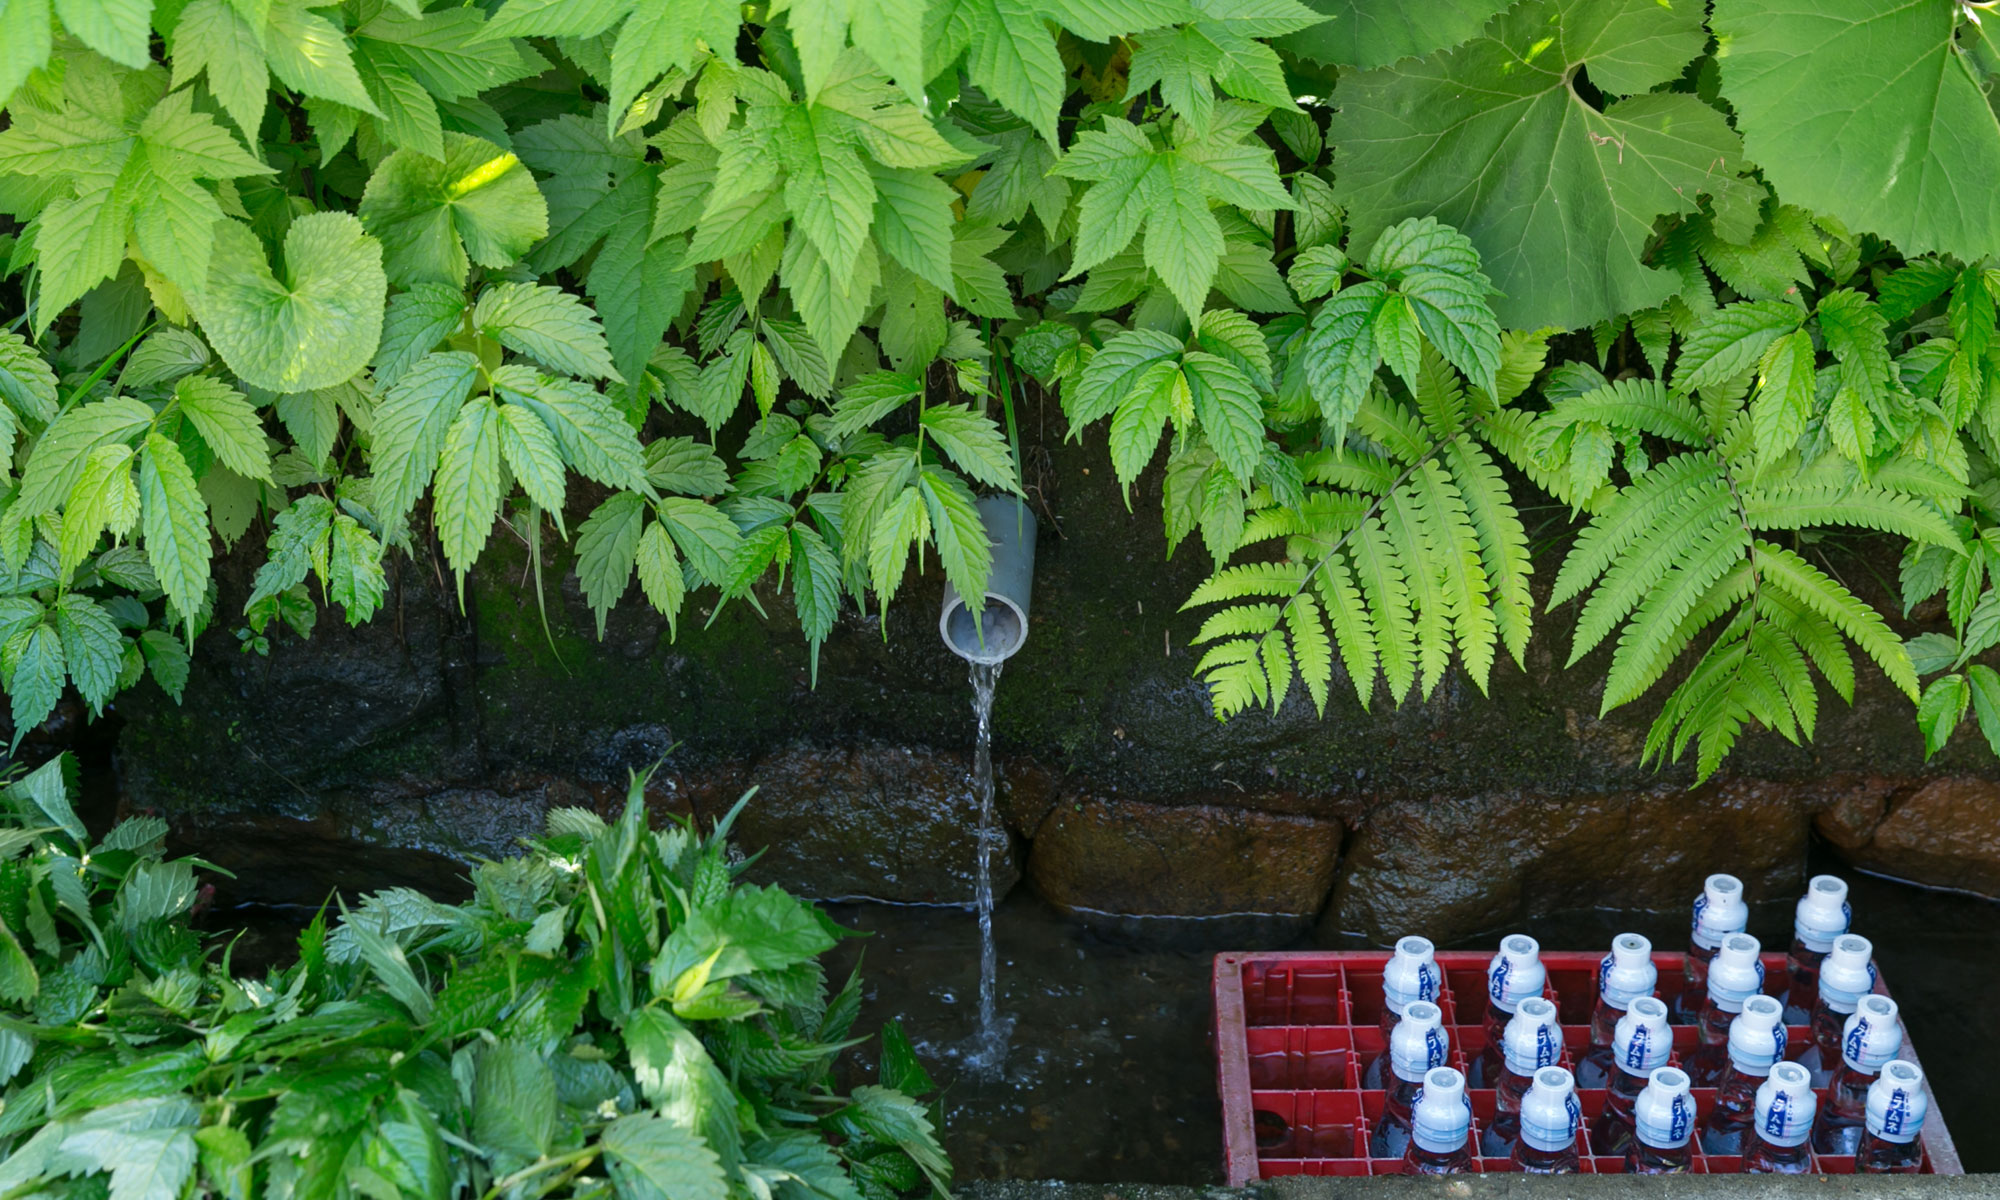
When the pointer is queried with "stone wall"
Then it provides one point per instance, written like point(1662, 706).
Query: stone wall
point(394, 751)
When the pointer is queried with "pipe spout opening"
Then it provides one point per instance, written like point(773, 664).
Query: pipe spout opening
point(1002, 626)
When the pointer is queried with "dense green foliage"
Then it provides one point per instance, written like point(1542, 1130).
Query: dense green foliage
point(610, 1015)
point(747, 294)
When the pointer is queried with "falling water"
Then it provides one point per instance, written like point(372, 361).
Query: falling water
point(989, 1044)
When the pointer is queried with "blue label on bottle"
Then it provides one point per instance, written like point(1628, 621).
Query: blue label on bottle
point(1681, 1120)
point(1434, 1048)
point(1857, 1040)
point(1604, 973)
point(1639, 1049)
point(1427, 983)
point(1780, 1116)
point(1777, 1042)
point(1898, 1114)
point(1496, 981)
point(1547, 1047)
point(1700, 906)
point(1760, 974)
point(1575, 1114)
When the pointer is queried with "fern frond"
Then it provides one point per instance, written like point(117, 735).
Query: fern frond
point(1511, 433)
point(1388, 592)
point(1642, 405)
point(1861, 505)
point(1764, 697)
point(1815, 635)
point(1355, 470)
point(1711, 670)
point(1405, 527)
point(1245, 580)
point(1787, 664)
point(1729, 591)
point(1324, 519)
point(1277, 662)
point(1901, 473)
point(1353, 632)
point(1503, 542)
point(1625, 519)
point(1235, 674)
point(1239, 620)
point(1440, 396)
point(1705, 510)
point(1392, 426)
point(1654, 624)
point(1863, 626)
point(1454, 545)
point(1312, 653)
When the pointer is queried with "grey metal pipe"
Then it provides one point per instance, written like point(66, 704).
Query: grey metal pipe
point(1002, 627)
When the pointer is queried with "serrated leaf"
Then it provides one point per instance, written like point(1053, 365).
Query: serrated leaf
point(973, 442)
point(174, 523)
point(607, 547)
point(410, 428)
point(547, 324)
point(595, 439)
point(467, 496)
point(227, 423)
point(436, 218)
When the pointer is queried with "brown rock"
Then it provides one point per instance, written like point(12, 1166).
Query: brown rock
point(869, 821)
point(1851, 817)
point(1129, 858)
point(1944, 834)
point(1448, 868)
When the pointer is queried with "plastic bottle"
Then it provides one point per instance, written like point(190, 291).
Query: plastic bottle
point(1845, 975)
point(1515, 974)
point(1415, 1046)
point(1783, 1123)
point(1663, 1126)
point(1897, 1106)
point(1872, 1040)
point(1756, 1043)
point(1641, 1042)
point(1718, 912)
point(1736, 975)
point(1411, 974)
point(1533, 1040)
point(1441, 1126)
point(1823, 914)
point(1623, 976)
point(1550, 1121)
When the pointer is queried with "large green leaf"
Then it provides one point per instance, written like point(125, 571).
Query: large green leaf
point(652, 1158)
point(313, 329)
point(1375, 33)
point(436, 218)
point(1558, 197)
point(174, 520)
point(1870, 112)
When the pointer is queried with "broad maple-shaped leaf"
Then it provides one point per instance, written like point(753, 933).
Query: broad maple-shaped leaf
point(1375, 33)
point(436, 218)
point(1869, 112)
point(1493, 138)
point(311, 328)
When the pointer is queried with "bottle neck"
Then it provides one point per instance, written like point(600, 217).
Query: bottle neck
point(1603, 1023)
point(1402, 1094)
point(1507, 1097)
point(1715, 1022)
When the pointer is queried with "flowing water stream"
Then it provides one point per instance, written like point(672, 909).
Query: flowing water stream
point(988, 1049)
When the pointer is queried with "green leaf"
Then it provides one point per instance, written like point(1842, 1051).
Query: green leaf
point(955, 525)
point(354, 576)
point(167, 658)
point(212, 36)
point(117, 29)
point(1142, 415)
point(913, 222)
point(467, 495)
point(1341, 354)
point(666, 35)
point(227, 424)
point(314, 329)
point(416, 322)
point(59, 456)
point(531, 453)
point(682, 1082)
point(1784, 400)
point(1375, 33)
point(32, 663)
point(1113, 372)
point(174, 520)
point(973, 442)
point(547, 324)
point(1183, 239)
point(514, 1101)
point(410, 428)
point(607, 546)
point(595, 438)
point(311, 55)
point(829, 192)
point(26, 381)
point(706, 537)
point(436, 218)
point(1491, 138)
point(660, 575)
point(1830, 104)
point(638, 286)
point(1986, 702)
point(1013, 59)
point(1939, 712)
point(91, 648)
point(25, 41)
point(1226, 404)
point(831, 305)
point(1731, 341)
point(652, 1158)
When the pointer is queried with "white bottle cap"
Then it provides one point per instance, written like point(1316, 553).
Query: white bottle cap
point(1757, 1035)
point(1719, 911)
point(1736, 974)
point(1663, 1115)
point(1516, 972)
point(1441, 1116)
point(1785, 1106)
point(1627, 973)
point(1898, 1103)
point(1417, 1043)
point(1550, 1115)
point(1872, 1036)
point(1640, 1042)
point(1823, 913)
point(1411, 975)
point(1533, 1037)
point(1847, 973)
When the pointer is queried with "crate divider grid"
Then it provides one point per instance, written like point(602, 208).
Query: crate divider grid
point(1296, 1030)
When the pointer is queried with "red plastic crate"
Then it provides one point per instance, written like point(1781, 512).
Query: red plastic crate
point(1294, 1031)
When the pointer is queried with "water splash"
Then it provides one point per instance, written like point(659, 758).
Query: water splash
point(988, 1049)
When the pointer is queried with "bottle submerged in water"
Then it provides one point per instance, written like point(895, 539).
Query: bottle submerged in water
point(1845, 976)
point(1897, 1106)
point(1662, 1126)
point(1550, 1120)
point(1756, 1044)
point(1641, 1043)
point(1515, 974)
point(1823, 914)
point(1782, 1123)
point(1734, 976)
point(1533, 1041)
point(1623, 976)
point(1718, 912)
point(1440, 1127)
point(1411, 974)
point(1415, 1046)
point(1872, 1040)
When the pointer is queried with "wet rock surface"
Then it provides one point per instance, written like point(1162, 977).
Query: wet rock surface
point(1944, 833)
point(415, 733)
